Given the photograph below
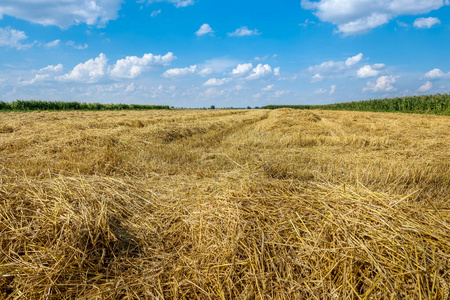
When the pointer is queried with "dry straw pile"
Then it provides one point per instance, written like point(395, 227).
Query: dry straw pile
point(252, 204)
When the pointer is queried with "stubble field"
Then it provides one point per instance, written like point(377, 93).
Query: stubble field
point(217, 204)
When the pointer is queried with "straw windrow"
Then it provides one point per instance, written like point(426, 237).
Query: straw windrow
point(234, 205)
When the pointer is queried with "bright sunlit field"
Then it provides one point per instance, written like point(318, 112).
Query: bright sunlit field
point(218, 204)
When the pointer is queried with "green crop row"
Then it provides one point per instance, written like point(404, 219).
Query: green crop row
point(433, 104)
point(21, 105)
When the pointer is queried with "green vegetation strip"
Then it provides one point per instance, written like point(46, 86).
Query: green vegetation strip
point(21, 105)
point(432, 104)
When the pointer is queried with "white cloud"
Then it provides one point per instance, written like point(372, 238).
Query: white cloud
point(316, 78)
point(91, 71)
point(276, 71)
point(367, 72)
point(218, 65)
point(320, 91)
point(436, 74)
point(130, 88)
point(54, 69)
point(268, 88)
point(354, 59)
point(47, 73)
point(178, 72)
point(242, 69)
point(259, 71)
point(384, 83)
point(75, 46)
point(155, 13)
point(133, 66)
point(378, 66)
point(55, 43)
point(257, 58)
point(216, 82)
point(333, 67)
point(177, 3)
point(426, 87)
point(244, 31)
point(81, 47)
point(204, 29)
point(95, 70)
point(426, 22)
point(12, 38)
point(402, 24)
point(359, 16)
point(278, 94)
point(307, 23)
point(206, 72)
point(212, 92)
point(62, 13)
point(332, 89)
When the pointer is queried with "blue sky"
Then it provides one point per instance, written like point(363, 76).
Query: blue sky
point(197, 53)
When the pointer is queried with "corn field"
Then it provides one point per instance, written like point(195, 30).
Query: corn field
point(431, 104)
point(21, 105)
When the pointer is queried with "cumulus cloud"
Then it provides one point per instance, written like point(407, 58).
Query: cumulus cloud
point(204, 29)
point(216, 82)
point(12, 38)
point(53, 69)
point(436, 74)
point(206, 72)
point(321, 91)
point(353, 60)
point(212, 92)
point(281, 93)
point(378, 66)
point(242, 69)
point(91, 71)
point(277, 72)
point(44, 74)
point(426, 22)
point(217, 65)
point(366, 72)
point(62, 13)
point(53, 44)
point(360, 16)
point(179, 72)
point(75, 46)
point(259, 71)
point(268, 88)
point(426, 87)
point(316, 78)
point(257, 58)
point(133, 66)
point(333, 67)
point(244, 31)
point(384, 83)
point(332, 89)
point(194, 69)
point(130, 88)
point(97, 69)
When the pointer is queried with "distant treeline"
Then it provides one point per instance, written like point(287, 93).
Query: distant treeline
point(21, 105)
point(433, 104)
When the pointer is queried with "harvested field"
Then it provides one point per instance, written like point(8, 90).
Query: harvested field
point(240, 204)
